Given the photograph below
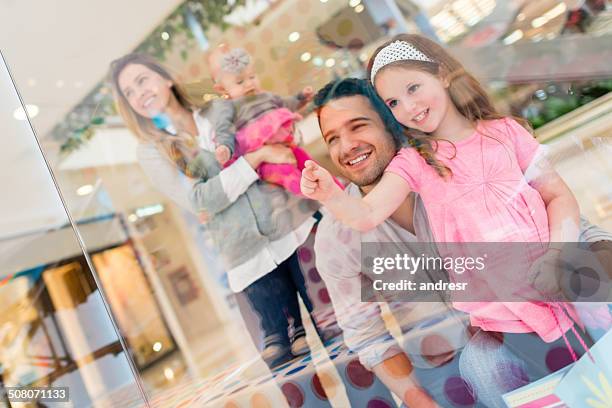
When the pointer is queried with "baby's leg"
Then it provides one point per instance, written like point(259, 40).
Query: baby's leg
point(286, 175)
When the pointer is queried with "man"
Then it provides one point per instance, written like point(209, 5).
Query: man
point(358, 134)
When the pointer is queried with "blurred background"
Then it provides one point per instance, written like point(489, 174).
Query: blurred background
point(113, 290)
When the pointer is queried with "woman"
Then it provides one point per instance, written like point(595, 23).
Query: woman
point(255, 226)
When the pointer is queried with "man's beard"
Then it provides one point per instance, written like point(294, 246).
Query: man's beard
point(371, 176)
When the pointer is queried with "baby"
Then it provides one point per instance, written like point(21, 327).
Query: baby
point(258, 117)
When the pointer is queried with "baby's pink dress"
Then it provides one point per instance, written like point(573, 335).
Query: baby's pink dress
point(488, 199)
point(275, 126)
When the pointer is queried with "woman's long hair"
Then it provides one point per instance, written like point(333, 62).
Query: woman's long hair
point(466, 93)
point(180, 148)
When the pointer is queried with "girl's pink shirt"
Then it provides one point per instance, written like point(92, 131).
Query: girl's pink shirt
point(488, 199)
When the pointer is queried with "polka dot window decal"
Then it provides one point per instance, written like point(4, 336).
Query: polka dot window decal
point(293, 394)
point(358, 376)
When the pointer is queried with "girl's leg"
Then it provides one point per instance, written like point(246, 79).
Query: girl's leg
point(497, 363)
point(491, 369)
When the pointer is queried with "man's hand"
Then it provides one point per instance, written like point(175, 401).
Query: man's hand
point(222, 153)
point(317, 183)
point(307, 93)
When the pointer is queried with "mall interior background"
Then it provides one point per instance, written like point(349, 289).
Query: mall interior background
point(166, 318)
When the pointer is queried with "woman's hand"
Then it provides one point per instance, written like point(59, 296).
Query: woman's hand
point(273, 153)
point(317, 183)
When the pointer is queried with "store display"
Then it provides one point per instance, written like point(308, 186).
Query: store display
point(589, 381)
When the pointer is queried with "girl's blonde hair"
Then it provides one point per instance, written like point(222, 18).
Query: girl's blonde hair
point(179, 148)
point(466, 93)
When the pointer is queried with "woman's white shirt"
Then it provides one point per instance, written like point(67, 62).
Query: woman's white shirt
point(235, 180)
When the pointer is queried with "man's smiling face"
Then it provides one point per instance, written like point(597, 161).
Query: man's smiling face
point(355, 135)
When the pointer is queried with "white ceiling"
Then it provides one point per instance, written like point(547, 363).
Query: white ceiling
point(48, 41)
point(70, 41)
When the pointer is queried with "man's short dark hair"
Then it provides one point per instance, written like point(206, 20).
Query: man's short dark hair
point(342, 88)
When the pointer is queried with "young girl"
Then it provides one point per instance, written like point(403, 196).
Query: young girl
point(259, 117)
point(479, 174)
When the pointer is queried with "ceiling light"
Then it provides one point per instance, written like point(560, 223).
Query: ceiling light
point(168, 373)
point(19, 113)
point(556, 11)
point(318, 61)
point(549, 15)
point(157, 346)
point(363, 57)
point(330, 62)
point(359, 8)
point(354, 3)
point(59, 83)
point(31, 82)
point(165, 36)
point(514, 37)
point(520, 17)
point(539, 22)
point(85, 190)
point(305, 57)
point(323, 1)
point(294, 36)
point(149, 210)
point(132, 218)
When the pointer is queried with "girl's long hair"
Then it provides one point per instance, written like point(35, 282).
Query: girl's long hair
point(180, 148)
point(466, 93)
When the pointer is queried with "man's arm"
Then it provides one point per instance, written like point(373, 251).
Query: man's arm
point(364, 330)
point(599, 241)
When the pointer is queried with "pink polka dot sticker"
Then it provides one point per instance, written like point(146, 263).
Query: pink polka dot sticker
point(345, 236)
point(194, 70)
point(250, 47)
point(293, 394)
point(305, 254)
point(379, 402)
point(323, 295)
point(557, 358)
point(436, 349)
point(458, 392)
point(358, 376)
point(313, 275)
point(317, 388)
point(267, 35)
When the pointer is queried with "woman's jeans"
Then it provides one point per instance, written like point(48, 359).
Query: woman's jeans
point(274, 299)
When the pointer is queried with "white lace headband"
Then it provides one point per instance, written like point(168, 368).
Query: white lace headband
point(235, 61)
point(396, 51)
